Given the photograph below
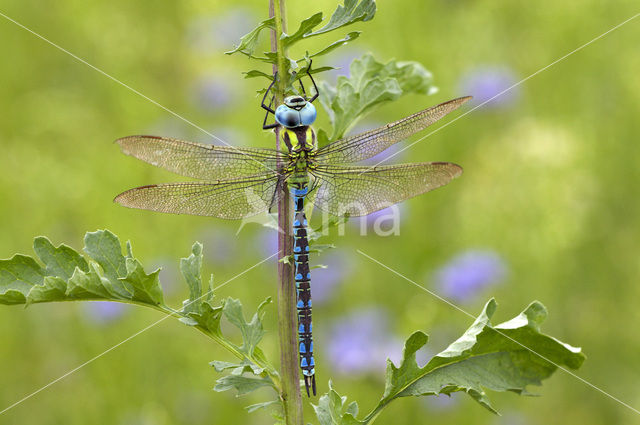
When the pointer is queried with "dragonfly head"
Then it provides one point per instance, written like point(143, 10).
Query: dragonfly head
point(295, 112)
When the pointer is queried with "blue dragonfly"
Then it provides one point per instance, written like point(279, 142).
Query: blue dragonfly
point(237, 183)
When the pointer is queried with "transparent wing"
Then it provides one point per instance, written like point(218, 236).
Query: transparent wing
point(200, 161)
point(230, 199)
point(358, 191)
point(365, 145)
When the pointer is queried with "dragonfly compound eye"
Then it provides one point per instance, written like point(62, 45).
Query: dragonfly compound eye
point(308, 114)
point(287, 117)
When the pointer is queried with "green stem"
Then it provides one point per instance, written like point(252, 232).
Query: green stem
point(287, 314)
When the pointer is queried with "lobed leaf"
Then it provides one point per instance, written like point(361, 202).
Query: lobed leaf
point(350, 12)
point(67, 276)
point(105, 273)
point(506, 357)
point(353, 11)
point(331, 47)
point(249, 41)
point(242, 384)
point(371, 83)
point(332, 409)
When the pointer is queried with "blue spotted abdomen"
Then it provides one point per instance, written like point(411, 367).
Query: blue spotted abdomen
point(303, 286)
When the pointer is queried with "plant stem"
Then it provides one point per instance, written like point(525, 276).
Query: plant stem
point(287, 313)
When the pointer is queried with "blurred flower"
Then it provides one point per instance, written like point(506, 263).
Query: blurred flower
point(393, 154)
point(512, 418)
point(441, 402)
point(483, 83)
point(227, 136)
point(170, 278)
point(470, 272)
point(219, 245)
point(342, 61)
point(104, 312)
point(225, 30)
point(385, 222)
point(325, 281)
point(213, 93)
point(169, 127)
point(268, 242)
point(361, 342)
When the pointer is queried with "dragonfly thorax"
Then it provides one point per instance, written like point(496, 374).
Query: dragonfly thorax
point(299, 139)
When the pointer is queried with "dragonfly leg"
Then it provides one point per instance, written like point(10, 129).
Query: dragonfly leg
point(315, 86)
point(266, 126)
point(304, 92)
point(269, 107)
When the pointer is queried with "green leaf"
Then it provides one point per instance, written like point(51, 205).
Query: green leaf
point(61, 261)
point(67, 276)
point(252, 332)
point(353, 11)
point(306, 27)
point(333, 410)
point(249, 41)
point(236, 368)
point(104, 248)
point(146, 287)
point(104, 273)
point(371, 83)
point(506, 357)
point(242, 384)
point(257, 406)
point(190, 268)
point(331, 47)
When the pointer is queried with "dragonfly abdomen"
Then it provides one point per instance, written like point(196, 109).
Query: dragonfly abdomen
point(303, 286)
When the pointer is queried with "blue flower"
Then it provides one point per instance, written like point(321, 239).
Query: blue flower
point(213, 93)
point(483, 83)
point(361, 343)
point(342, 62)
point(469, 273)
point(105, 311)
point(324, 282)
point(206, 34)
point(269, 242)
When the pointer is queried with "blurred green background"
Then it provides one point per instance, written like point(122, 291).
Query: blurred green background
point(547, 208)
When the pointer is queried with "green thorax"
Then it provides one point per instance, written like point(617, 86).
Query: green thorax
point(302, 145)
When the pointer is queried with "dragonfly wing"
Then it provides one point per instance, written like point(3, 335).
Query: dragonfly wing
point(365, 145)
point(200, 161)
point(227, 199)
point(358, 191)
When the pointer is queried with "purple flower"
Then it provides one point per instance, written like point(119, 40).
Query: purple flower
point(103, 312)
point(470, 272)
point(486, 82)
point(225, 30)
point(325, 281)
point(342, 62)
point(269, 242)
point(393, 154)
point(169, 274)
point(361, 343)
point(385, 222)
point(213, 93)
point(219, 246)
point(441, 402)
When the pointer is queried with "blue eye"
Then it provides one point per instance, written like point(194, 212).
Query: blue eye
point(287, 117)
point(308, 114)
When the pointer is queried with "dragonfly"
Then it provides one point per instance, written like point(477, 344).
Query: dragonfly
point(237, 183)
